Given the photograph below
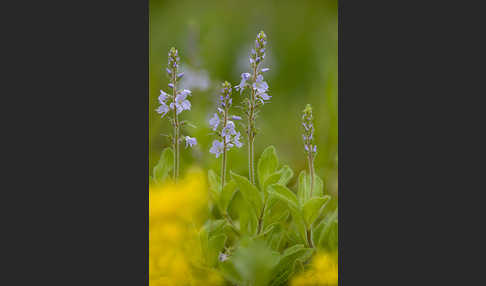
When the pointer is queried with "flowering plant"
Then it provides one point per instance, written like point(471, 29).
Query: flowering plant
point(248, 231)
point(173, 103)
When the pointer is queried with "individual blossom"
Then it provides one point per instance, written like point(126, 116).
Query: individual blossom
point(217, 148)
point(244, 77)
point(214, 122)
point(181, 103)
point(190, 141)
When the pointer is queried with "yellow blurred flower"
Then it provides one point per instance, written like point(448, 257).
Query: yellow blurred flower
point(176, 212)
point(323, 271)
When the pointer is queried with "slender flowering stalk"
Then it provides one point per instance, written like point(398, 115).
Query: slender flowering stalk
point(257, 97)
point(227, 135)
point(172, 104)
point(309, 147)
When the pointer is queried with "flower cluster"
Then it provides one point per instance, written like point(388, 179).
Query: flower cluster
point(176, 101)
point(255, 79)
point(308, 136)
point(221, 123)
point(174, 249)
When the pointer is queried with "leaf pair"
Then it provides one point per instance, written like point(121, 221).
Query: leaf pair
point(268, 172)
point(263, 210)
point(222, 198)
point(304, 213)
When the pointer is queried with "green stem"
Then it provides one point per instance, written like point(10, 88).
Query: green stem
point(223, 168)
point(311, 172)
point(176, 130)
point(260, 219)
point(309, 238)
point(233, 226)
point(251, 135)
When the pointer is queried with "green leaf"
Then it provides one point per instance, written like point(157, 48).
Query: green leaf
point(285, 267)
point(298, 266)
point(229, 272)
point(281, 177)
point(276, 210)
point(248, 220)
point(250, 193)
point(204, 240)
point(214, 181)
point(318, 187)
point(275, 238)
point(164, 166)
point(272, 179)
point(287, 174)
point(304, 190)
point(267, 164)
point(312, 209)
point(215, 246)
point(227, 195)
point(285, 194)
point(327, 230)
point(254, 262)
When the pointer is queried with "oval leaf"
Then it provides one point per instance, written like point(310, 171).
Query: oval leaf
point(312, 209)
point(164, 166)
point(250, 192)
point(267, 164)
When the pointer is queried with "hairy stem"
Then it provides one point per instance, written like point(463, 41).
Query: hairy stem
point(176, 130)
point(260, 219)
point(233, 226)
point(223, 168)
point(311, 172)
point(251, 134)
point(309, 237)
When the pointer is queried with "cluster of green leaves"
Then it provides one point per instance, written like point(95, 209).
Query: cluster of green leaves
point(262, 235)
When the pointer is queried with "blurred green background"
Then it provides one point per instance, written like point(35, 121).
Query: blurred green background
point(214, 39)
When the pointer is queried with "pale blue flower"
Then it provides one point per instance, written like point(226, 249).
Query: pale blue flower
point(217, 148)
point(180, 75)
point(190, 141)
point(229, 129)
point(244, 77)
point(223, 257)
point(214, 122)
point(185, 92)
point(171, 85)
point(260, 86)
point(162, 96)
point(265, 69)
point(235, 117)
point(162, 109)
point(236, 140)
point(181, 103)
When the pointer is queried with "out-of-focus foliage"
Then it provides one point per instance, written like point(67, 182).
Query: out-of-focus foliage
point(214, 38)
point(246, 234)
point(176, 213)
point(323, 271)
